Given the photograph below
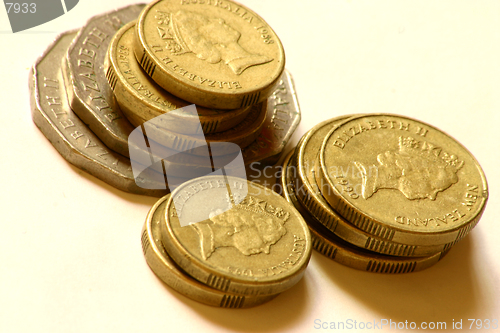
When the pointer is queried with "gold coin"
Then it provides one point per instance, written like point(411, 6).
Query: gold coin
point(325, 242)
point(242, 135)
point(402, 180)
point(141, 99)
point(309, 195)
point(165, 268)
point(259, 246)
point(211, 53)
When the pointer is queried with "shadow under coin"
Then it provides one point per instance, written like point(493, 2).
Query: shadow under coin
point(279, 314)
point(443, 292)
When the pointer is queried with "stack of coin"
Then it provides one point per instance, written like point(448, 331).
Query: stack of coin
point(226, 242)
point(384, 193)
point(126, 68)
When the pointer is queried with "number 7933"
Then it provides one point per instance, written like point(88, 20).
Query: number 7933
point(21, 7)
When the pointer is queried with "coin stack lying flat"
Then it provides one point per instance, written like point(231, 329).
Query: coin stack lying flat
point(384, 193)
point(125, 68)
point(242, 244)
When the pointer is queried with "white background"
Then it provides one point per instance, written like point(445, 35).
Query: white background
point(70, 250)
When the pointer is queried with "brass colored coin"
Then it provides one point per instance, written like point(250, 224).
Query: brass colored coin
point(325, 242)
point(219, 55)
point(309, 195)
point(165, 268)
point(242, 135)
point(88, 90)
point(260, 246)
point(402, 180)
point(141, 99)
point(68, 134)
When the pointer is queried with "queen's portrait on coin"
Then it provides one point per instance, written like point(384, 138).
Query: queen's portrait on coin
point(210, 39)
point(417, 169)
point(247, 231)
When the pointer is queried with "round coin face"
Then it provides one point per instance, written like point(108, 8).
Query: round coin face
point(402, 180)
point(259, 246)
point(218, 54)
point(141, 99)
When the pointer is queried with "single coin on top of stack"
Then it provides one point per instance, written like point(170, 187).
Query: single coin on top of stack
point(216, 56)
point(429, 190)
point(229, 238)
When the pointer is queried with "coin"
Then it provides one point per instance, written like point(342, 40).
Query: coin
point(219, 55)
point(69, 135)
point(259, 246)
point(88, 90)
point(165, 268)
point(141, 99)
point(402, 180)
point(326, 243)
point(309, 195)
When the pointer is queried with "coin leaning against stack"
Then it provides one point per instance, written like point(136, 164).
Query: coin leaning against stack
point(384, 193)
point(126, 68)
point(243, 245)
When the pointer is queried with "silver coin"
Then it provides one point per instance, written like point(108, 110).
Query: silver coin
point(70, 136)
point(88, 89)
point(283, 117)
